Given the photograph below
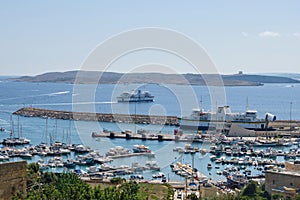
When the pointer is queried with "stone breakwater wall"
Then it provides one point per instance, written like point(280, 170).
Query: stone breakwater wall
point(12, 179)
point(101, 117)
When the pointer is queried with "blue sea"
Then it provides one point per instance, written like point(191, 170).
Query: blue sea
point(282, 100)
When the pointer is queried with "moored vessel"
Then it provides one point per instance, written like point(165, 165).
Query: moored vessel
point(133, 96)
point(223, 119)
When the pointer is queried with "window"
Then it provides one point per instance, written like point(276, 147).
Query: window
point(273, 182)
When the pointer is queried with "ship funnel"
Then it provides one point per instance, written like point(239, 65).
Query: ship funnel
point(270, 117)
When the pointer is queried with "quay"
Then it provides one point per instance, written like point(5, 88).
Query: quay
point(131, 155)
point(149, 136)
point(282, 127)
point(101, 117)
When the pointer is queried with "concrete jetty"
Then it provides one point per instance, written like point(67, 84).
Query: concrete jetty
point(131, 155)
point(101, 117)
point(150, 136)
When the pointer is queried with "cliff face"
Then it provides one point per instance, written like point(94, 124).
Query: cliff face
point(92, 77)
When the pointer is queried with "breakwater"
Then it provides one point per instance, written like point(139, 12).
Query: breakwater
point(101, 117)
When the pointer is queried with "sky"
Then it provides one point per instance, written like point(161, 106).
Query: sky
point(253, 36)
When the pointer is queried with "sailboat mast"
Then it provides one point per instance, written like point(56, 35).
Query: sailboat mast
point(21, 133)
point(291, 104)
point(46, 132)
point(247, 104)
point(201, 104)
point(55, 129)
point(18, 126)
point(11, 127)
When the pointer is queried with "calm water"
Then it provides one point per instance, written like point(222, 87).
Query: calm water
point(169, 100)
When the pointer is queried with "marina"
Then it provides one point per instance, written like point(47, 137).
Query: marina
point(226, 158)
point(210, 157)
point(249, 157)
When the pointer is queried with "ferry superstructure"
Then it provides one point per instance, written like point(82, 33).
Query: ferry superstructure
point(133, 96)
point(223, 118)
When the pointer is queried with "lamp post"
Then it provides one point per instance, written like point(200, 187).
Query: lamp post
point(135, 117)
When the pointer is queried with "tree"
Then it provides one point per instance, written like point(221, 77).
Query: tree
point(192, 197)
point(277, 197)
point(250, 190)
point(58, 186)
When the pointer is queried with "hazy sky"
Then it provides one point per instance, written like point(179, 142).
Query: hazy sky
point(252, 36)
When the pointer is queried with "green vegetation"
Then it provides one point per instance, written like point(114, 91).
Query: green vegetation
point(58, 186)
point(252, 191)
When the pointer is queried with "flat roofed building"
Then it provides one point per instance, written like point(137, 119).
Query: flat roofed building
point(285, 183)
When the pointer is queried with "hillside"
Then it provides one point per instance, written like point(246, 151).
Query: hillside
point(193, 79)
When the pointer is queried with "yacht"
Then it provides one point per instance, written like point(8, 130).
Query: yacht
point(141, 149)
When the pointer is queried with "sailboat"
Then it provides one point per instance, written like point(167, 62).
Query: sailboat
point(12, 140)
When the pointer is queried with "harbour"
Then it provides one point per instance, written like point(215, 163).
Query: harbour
point(247, 158)
point(150, 100)
point(275, 128)
point(208, 150)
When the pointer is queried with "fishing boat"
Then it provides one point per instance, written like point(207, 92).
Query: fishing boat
point(223, 118)
point(135, 96)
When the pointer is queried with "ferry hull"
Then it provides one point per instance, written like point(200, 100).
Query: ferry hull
point(213, 125)
point(135, 99)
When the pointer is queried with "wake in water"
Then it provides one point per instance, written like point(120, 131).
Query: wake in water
point(58, 93)
point(72, 103)
point(39, 95)
point(2, 121)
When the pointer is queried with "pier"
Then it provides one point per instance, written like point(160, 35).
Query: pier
point(101, 117)
point(150, 136)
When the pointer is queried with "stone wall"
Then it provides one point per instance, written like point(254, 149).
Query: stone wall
point(276, 180)
point(12, 179)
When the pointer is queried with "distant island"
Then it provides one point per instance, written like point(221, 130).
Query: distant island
point(92, 77)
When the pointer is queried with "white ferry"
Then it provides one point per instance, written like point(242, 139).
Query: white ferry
point(133, 96)
point(224, 118)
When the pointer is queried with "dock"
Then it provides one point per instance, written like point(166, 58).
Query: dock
point(150, 136)
point(131, 155)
